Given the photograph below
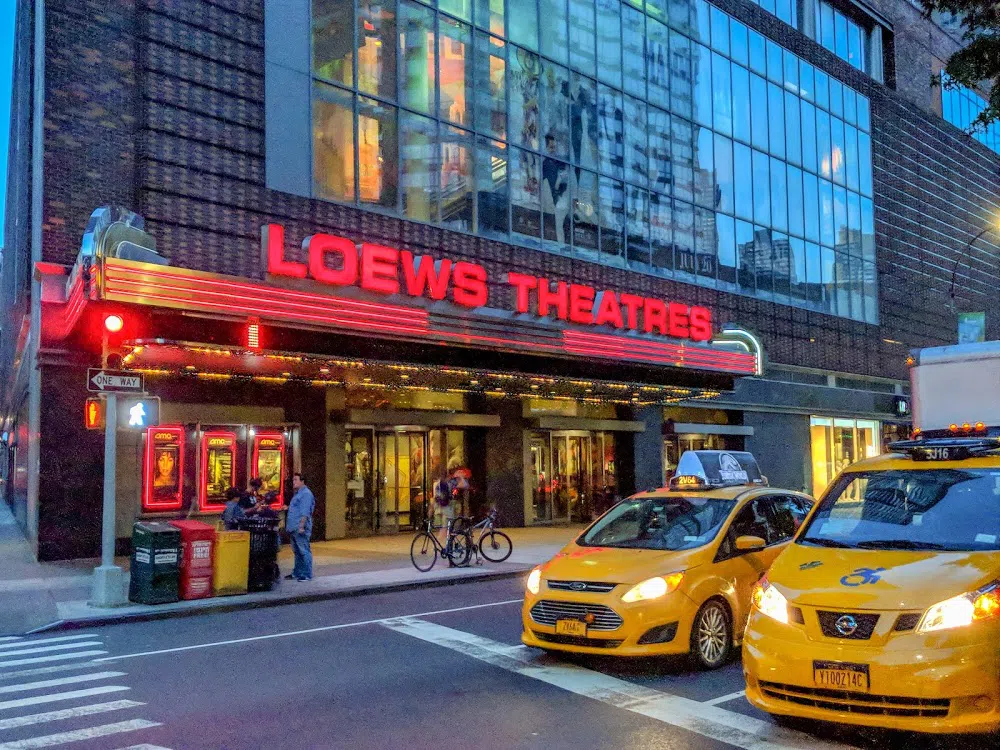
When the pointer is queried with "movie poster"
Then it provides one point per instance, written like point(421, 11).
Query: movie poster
point(219, 468)
point(164, 468)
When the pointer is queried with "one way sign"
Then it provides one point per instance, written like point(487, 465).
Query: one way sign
point(113, 381)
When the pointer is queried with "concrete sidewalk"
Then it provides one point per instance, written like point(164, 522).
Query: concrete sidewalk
point(36, 596)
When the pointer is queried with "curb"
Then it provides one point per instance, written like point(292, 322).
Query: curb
point(221, 605)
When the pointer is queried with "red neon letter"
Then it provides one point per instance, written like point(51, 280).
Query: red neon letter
point(581, 303)
point(654, 315)
point(608, 310)
point(546, 298)
point(632, 304)
point(469, 285)
point(319, 246)
point(379, 272)
point(272, 237)
point(424, 274)
point(678, 315)
point(701, 324)
point(524, 284)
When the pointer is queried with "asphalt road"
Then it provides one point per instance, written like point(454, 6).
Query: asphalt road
point(435, 668)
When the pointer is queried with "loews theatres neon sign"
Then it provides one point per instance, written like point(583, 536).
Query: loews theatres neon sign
point(338, 261)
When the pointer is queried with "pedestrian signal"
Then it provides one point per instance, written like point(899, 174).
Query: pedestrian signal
point(93, 414)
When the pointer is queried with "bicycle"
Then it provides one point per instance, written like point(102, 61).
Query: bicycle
point(425, 547)
point(491, 538)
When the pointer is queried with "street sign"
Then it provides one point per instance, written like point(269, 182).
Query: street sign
point(138, 413)
point(113, 381)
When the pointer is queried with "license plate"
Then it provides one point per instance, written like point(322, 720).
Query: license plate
point(571, 627)
point(839, 676)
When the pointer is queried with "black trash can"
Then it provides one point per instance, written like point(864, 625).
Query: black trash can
point(263, 571)
point(155, 573)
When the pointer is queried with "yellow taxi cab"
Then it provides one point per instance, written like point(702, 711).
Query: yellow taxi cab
point(886, 609)
point(668, 571)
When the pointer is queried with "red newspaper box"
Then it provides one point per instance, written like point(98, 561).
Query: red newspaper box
point(197, 546)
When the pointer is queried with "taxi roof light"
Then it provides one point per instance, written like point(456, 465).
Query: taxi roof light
point(700, 470)
point(946, 448)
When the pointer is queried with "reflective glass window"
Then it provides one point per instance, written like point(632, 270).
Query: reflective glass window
point(807, 80)
point(776, 120)
point(809, 137)
point(556, 201)
point(745, 256)
point(460, 8)
point(525, 203)
point(661, 232)
point(775, 64)
point(758, 55)
point(491, 85)
point(780, 264)
point(610, 136)
point(705, 243)
point(333, 59)
point(681, 90)
point(634, 51)
point(823, 147)
point(682, 157)
point(377, 49)
point(658, 62)
point(724, 174)
point(741, 103)
point(522, 23)
point(758, 111)
point(743, 171)
point(658, 9)
point(867, 230)
point(660, 172)
point(701, 70)
point(585, 213)
point(377, 153)
point(814, 276)
point(851, 159)
point(704, 177)
point(850, 106)
point(827, 234)
point(725, 228)
point(854, 223)
point(837, 149)
point(864, 113)
point(825, 26)
point(855, 46)
point(680, 13)
point(761, 189)
point(582, 41)
point(612, 221)
point(490, 15)
point(763, 261)
point(584, 122)
point(791, 75)
point(793, 129)
point(553, 42)
point(779, 195)
point(683, 217)
point(491, 188)
point(455, 60)
point(797, 268)
point(554, 107)
point(836, 98)
point(739, 48)
point(842, 239)
point(796, 216)
point(417, 42)
point(720, 31)
point(333, 143)
point(636, 151)
point(702, 30)
point(418, 176)
point(829, 279)
point(811, 206)
point(637, 208)
point(822, 89)
point(865, 162)
point(609, 45)
point(870, 286)
point(455, 187)
point(840, 34)
point(524, 72)
point(722, 95)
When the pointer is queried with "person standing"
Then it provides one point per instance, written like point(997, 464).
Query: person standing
point(298, 524)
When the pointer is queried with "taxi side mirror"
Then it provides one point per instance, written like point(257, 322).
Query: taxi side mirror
point(749, 543)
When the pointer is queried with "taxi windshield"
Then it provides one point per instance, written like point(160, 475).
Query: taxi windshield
point(660, 523)
point(935, 509)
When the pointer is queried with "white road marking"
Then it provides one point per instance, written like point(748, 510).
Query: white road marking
point(54, 657)
point(44, 649)
point(18, 674)
point(67, 696)
point(67, 713)
point(59, 681)
point(709, 721)
point(10, 638)
point(144, 747)
point(79, 735)
point(725, 698)
point(290, 633)
point(46, 641)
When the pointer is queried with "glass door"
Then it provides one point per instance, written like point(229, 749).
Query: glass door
point(578, 480)
point(541, 476)
point(359, 456)
point(402, 479)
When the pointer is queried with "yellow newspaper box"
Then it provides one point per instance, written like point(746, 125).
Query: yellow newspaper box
point(232, 561)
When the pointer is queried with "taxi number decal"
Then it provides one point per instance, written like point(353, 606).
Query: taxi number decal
point(938, 454)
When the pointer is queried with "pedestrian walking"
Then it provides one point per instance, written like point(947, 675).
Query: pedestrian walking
point(298, 524)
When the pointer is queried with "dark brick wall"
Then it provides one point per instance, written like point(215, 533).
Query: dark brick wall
point(199, 180)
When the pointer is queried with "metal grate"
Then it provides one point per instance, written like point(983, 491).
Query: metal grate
point(547, 611)
point(575, 640)
point(907, 622)
point(592, 587)
point(864, 625)
point(857, 703)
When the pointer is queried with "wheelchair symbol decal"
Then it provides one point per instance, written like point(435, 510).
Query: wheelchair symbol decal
point(861, 576)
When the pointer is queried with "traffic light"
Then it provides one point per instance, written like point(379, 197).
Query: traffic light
point(114, 323)
point(93, 414)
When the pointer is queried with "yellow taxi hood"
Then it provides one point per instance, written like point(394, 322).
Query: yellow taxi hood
point(878, 579)
point(618, 565)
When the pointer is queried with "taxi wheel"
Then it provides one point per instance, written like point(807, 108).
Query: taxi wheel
point(712, 635)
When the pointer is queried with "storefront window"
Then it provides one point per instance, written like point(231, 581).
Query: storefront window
point(838, 443)
point(573, 476)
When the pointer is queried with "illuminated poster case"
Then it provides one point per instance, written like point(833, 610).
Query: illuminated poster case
point(218, 468)
point(268, 463)
point(163, 469)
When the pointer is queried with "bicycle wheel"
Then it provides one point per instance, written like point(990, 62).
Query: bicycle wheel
point(423, 552)
point(495, 546)
point(461, 549)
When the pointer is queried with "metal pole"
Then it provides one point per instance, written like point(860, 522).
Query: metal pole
point(109, 580)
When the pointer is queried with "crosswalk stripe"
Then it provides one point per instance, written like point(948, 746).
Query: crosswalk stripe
point(45, 649)
point(55, 669)
point(67, 713)
point(144, 747)
point(709, 721)
point(7, 638)
point(79, 735)
point(59, 681)
point(725, 698)
point(67, 696)
point(21, 642)
point(53, 657)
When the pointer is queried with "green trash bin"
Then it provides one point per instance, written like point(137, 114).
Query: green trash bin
point(155, 573)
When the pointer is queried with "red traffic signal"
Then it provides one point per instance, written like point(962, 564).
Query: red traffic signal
point(93, 414)
point(113, 323)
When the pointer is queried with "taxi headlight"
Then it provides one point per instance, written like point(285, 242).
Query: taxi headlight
point(534, 580)
point(653, 588)
point(962, 611)
point(770, 601)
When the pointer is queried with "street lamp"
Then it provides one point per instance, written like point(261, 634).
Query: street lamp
point(995, 224)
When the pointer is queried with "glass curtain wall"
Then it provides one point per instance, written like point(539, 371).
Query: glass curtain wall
point(669, 139)
point(837, 443)
point(844, 37)
point(961, 106)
